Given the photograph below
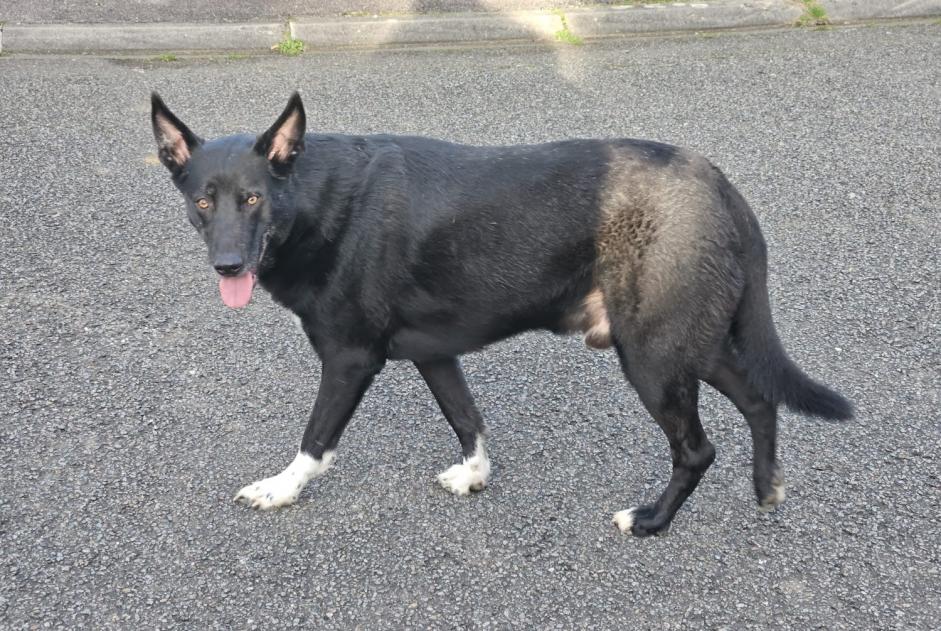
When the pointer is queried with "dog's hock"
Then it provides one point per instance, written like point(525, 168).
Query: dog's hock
point(284, 488)
point(470, 475)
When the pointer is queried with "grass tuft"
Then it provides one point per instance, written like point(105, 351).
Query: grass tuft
point(168, 57)
point(565, 34)
point(290, 46)
point(814, 14)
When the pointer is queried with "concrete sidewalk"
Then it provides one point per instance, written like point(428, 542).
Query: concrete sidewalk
point(109, 26)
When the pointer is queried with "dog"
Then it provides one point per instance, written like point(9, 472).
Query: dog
point(408, 248)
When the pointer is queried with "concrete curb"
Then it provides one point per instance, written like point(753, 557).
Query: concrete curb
point(103, 38)
point(321, 33)
point(692, 16)
point(841, 11)
point(456, 28)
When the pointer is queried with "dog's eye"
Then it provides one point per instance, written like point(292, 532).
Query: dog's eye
point(252, 200)
point(202, 203)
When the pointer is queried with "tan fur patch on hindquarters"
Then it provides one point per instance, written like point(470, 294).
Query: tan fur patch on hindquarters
point(632, 195)
point(650, 229)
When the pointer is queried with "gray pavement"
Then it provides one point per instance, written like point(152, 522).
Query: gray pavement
point(134, 404)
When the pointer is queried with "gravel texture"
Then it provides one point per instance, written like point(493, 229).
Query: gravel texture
point(134, 404)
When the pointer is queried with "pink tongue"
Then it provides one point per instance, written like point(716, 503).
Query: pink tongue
point(237, 290)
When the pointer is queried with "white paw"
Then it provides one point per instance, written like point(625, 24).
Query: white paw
point(470, 475)
point(624, 520)
point(274, 492)
point(284, 488)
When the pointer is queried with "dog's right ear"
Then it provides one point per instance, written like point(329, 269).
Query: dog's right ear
point(175, 142)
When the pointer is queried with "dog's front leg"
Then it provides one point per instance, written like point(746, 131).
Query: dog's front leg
point(446, 381)
point(346, 376)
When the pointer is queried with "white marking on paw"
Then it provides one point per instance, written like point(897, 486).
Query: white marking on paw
point(283, 489)
point(771, 501)
point(299, 323)
point(624, 520)
point(470, 475)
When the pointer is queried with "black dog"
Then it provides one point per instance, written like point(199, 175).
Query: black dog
point(390, 247)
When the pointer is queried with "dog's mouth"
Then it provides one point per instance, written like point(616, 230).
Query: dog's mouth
point(236, 291)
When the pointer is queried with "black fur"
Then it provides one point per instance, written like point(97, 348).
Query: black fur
point(390, 247)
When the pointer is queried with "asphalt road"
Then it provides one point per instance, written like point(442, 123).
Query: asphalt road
point(134, 404)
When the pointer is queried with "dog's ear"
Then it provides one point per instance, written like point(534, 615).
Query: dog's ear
point(175, 142)
point(284, 140)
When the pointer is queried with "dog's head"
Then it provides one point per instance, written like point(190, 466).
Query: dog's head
point(232, 187)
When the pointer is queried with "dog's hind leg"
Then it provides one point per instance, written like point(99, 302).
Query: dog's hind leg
point(345, 378)
point(446, 381)
point(762, 418)
point(671, 395)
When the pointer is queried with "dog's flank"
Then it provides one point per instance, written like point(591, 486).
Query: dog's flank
point(393, 247)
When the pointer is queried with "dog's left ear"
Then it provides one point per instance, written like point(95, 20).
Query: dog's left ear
point(284, 140)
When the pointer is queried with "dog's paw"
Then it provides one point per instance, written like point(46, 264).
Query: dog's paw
point(274, 492)
point(470, 475)
point(640, 521)
point(771, 499)
point(461, 479)
point(284, 488)
point(624, 520)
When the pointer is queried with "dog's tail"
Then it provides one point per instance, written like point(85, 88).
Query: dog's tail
point(769, 369)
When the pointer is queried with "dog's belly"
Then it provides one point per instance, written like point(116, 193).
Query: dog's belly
point(425, 344)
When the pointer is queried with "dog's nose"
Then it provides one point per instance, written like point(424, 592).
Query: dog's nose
point(228, 264)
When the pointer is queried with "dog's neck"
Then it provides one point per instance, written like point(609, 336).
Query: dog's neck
point(322, 202)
